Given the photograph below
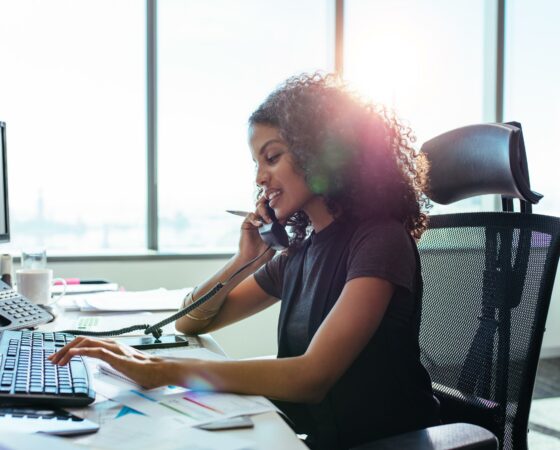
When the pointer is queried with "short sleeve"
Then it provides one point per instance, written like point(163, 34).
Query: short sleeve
point(270, 277)
point(385, 251)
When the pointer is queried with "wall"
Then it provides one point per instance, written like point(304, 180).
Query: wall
point(255, 336)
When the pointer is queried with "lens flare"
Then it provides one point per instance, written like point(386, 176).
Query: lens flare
point(198, 383)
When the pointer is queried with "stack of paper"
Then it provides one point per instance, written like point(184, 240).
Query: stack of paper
point(192, 408)
point(164, 418)
point(124, 301)
point(24, 441)
point(189, 407)
point(164, 433)
point(86, 288)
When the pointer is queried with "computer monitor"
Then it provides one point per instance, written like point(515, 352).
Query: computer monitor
point(4, 216)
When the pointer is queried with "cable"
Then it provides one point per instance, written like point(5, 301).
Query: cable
point(156, 329)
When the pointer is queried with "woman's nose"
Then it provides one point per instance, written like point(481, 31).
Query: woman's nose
point(261, 177)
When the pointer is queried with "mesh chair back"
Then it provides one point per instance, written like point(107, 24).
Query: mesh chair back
point(488, 280)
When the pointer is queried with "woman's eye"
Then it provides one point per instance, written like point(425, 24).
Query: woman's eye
point(273, 158)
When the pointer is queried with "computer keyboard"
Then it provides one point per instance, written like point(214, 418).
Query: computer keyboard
point(27, 377)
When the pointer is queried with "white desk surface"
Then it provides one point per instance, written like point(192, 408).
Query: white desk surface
point(270, 431)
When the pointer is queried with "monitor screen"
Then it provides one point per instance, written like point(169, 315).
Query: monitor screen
point(4, 217)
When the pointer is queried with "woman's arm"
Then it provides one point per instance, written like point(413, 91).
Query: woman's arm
point(337, 343)
point(239, 298)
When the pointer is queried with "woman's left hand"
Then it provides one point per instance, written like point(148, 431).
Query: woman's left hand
point(146, 370)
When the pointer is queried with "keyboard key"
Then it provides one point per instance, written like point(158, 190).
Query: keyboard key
point(78, 369)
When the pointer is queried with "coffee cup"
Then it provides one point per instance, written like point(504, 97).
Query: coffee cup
point(36, 285)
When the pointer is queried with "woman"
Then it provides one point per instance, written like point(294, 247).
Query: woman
point(344, 175)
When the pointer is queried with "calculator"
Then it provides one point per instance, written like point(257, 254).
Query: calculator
point(17, 312)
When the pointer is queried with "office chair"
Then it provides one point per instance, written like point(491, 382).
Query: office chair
point(488, 280)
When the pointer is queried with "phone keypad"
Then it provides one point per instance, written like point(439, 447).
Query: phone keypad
point(20, 312)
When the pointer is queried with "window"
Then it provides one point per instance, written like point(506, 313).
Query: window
point(74, 99)
point(532, 93)
point(217, 62)
point(429, 60)
point(72, 92)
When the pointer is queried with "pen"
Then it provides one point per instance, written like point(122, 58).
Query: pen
point(93, 282)
point(79, 281)
point(238, 213)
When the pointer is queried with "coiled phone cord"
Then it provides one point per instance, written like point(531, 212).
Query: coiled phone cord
point(156, 329)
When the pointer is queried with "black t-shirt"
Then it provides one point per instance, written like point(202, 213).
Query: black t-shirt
point(359, 404)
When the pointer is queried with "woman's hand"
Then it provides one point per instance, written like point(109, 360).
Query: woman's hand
point(146, 370)
point(250, 243)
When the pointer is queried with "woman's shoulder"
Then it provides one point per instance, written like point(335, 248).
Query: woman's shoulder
point(382, 248)
point(390, 230)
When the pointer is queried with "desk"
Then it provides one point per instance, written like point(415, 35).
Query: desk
point(270, 431)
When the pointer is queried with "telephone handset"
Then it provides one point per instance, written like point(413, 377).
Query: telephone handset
point(273, 233)
point(17, 312)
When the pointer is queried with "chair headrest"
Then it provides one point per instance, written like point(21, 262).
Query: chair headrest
point(478, 160)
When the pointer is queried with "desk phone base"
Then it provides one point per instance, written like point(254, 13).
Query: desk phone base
point(17, 312)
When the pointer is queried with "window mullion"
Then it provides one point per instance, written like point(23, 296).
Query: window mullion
point(151, 105)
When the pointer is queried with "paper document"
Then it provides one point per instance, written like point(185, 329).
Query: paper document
point(25, 441)
point(198, 353)
point(134, 431)
point(110, 321)
point(100, 412)
point(124, 301)
point(74, 289)
point(211, 406)
point(193, 407)
point(190, 407)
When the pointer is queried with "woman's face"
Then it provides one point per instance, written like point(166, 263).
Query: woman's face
point(283, 183)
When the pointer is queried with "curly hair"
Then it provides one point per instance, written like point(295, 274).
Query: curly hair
point(357, 155)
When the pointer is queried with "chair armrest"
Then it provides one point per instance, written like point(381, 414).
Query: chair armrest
point(454, 436)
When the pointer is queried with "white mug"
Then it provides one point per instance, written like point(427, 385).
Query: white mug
point(36, 285)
